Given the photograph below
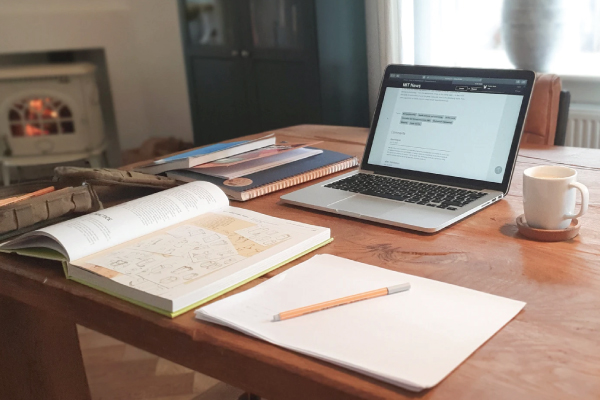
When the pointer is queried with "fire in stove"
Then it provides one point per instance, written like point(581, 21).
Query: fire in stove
point(38, 116)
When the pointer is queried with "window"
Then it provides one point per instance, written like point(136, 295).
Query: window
point(469, 33)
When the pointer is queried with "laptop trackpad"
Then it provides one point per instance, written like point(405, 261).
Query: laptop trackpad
point(366, 205)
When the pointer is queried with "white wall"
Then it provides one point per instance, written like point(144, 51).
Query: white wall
point(144, 56)
point(162, 67)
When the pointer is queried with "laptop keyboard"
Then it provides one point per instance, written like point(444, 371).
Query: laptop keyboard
point(426, 194)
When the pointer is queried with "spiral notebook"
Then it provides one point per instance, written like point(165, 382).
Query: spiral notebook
point(273, 179)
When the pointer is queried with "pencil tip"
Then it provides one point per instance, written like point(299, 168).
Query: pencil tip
point(276, 318)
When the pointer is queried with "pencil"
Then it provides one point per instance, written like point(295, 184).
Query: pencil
point(338, 302)
point(15, 199)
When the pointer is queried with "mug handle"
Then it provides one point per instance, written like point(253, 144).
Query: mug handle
point(585, 198)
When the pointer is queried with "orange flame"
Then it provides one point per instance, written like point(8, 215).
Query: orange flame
point(36, 106)
point(31, 130)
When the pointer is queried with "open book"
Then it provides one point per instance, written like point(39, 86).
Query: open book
point(172, 250)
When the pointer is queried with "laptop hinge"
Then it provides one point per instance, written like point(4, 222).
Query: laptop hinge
point(364, 171)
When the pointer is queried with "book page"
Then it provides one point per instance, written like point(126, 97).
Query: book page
point(106, 228)
point(209, 248)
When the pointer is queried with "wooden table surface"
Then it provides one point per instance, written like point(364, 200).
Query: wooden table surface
point(550, 350)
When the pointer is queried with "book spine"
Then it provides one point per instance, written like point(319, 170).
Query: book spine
point(298, 179)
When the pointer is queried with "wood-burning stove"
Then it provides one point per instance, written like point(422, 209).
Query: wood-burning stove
point(50, 113)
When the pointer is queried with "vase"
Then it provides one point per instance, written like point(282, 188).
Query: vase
point(534, 32)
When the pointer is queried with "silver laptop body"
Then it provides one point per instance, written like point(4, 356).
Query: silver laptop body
point(442, 146)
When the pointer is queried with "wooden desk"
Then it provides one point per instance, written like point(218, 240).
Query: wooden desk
point(550, 350)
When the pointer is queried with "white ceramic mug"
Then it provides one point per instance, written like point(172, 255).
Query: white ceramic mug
point(549, 194)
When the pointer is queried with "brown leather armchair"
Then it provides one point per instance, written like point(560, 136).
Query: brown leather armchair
point(541, 121)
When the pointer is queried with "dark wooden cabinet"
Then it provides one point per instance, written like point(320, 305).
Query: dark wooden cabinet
point(252, 66)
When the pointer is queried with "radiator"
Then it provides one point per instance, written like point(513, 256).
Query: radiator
point(583, 126)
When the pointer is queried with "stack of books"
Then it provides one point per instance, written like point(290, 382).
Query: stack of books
point(247, 169)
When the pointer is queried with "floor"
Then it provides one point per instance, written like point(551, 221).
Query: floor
point(117, 371)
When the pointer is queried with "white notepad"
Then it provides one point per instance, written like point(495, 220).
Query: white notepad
point(412, 339)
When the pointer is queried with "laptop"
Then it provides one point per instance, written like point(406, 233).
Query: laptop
point(442, 145)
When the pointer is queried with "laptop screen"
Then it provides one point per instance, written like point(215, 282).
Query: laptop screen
point(456, 126)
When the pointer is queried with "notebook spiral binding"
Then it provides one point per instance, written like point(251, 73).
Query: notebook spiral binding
point(298, 179)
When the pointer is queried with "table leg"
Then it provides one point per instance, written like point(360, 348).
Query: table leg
point(39, 355)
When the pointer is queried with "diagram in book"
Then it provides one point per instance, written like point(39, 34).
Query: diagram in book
point(209, 265)
point(168, 280)
point(118, 263)
point(130, 262)
point(187, 231)
point(189, 276)
point(188, 252)
point(159, 268)
point(182, 270)
point(265, 236)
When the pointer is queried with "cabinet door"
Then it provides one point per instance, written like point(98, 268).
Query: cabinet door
point(216, 74)
point(280, 51)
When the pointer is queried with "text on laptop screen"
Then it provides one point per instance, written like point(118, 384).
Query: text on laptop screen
point(454, 126)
